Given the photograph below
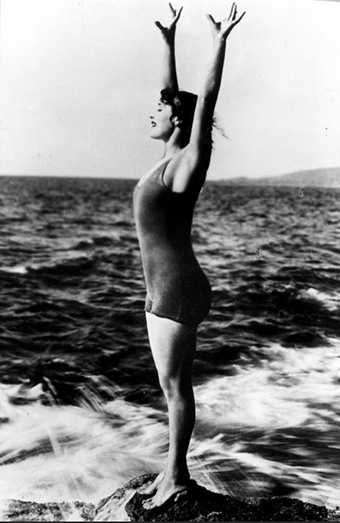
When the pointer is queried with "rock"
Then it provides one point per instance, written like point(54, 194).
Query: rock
point(198, 505)
point(15, 510)
point(112, 508)
point(201, 504)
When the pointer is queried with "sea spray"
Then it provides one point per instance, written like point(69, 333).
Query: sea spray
point(67, 453)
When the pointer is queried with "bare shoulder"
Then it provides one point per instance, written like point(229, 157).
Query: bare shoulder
point(184, 172)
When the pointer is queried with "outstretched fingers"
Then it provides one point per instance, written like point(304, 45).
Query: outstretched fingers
point(175, 14)
point(225, 27)
point(178, 14)
point(211, 20)
point(238, 20)
point(233, 12)
point(168, 30)
point(214, 26)
point(233, 19)
point(173, 11)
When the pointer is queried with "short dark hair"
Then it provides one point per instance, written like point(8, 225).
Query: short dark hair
point(183, 105)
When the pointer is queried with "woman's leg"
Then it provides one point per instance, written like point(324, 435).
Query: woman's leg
point(173, 347)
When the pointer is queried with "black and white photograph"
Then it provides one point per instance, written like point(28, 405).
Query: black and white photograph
point(170, 260)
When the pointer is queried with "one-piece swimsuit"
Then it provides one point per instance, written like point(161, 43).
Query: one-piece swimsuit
point(177, 287)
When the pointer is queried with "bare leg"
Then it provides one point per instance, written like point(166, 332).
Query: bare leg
point(173, 347)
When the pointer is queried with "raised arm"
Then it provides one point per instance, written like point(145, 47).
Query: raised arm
point(169, 73)
point(208, 94)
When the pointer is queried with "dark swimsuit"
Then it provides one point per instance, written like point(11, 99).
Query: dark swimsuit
point(177, 288)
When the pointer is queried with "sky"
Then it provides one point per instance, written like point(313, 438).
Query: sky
point(80, 79)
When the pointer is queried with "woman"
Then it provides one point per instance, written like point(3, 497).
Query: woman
point(178, 292)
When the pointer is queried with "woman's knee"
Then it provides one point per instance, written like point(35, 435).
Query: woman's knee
point(175, 384)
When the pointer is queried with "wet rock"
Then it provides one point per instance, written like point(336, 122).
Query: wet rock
point(112, 508)
point(15, 510)
point(200, 504)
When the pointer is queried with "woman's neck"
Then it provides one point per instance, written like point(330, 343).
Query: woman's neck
point(173, 146)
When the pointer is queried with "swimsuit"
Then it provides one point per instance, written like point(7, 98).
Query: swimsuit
point(177, 288)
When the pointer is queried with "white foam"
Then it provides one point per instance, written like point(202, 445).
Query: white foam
point(16, 269)
point(68, 453)
point(330, 301)
point(280, 392)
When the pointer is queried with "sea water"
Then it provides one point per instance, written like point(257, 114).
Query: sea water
point(81, 411)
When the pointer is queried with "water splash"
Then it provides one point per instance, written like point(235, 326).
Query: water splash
point(258, 428)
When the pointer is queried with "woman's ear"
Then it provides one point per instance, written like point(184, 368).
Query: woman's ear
point(176, 121)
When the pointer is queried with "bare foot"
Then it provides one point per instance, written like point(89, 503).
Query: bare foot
point(166, 490)
point(151, 489)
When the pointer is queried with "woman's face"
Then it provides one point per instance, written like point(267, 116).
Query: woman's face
point(161, 126)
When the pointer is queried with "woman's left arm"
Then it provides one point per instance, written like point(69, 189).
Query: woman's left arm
point(169, 72)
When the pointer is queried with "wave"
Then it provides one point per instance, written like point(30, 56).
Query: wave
point(72, 266)
point(258, 430)
point(273, 310)
point(16, 269)
point(68, 268)
point(76, 452)
point(330, 301)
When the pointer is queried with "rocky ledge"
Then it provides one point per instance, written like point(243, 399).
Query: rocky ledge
point(201, 504)
point(198, 505)
point(15, 510)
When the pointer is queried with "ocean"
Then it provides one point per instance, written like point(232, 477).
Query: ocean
point(81, 409)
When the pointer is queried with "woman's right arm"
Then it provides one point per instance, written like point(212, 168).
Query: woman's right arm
point(169, 73)
point(208, 94)
point(196, 158)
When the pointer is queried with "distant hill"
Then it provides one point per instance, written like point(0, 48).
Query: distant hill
point(314, 178)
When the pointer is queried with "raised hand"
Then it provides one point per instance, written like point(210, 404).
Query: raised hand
point(223, 29)
point(168, 31)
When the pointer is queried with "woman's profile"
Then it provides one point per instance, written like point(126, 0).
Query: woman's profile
point(178, 292)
